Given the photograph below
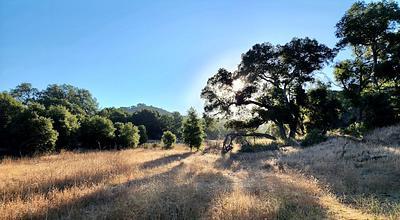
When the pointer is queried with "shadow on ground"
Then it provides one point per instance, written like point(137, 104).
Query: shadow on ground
point(164, 160)
point(178, 193)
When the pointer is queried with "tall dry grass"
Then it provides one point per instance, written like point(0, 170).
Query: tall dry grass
point(178, 184)
point(365, 174)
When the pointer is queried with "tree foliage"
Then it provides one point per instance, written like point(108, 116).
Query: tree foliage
point(193, 130)
point(143, 134)
point(114, 114)
point(378, 110)
point(31, 133)
point(25, 93)
point(96, 132)
point(172, 122)
point(76, 100)
point(372, 31)
point(9, 109)
point(168, 139)
point(126, 135)
point(66, 124)
point(214, 128)
point(151, 120)
point(323, 109)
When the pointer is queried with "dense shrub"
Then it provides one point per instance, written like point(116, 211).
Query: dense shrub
point(126, 135)
point(313, 137)
point(168, 139)
point(96, 132)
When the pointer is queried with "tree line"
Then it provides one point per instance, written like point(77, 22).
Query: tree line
point(66, 117)
point(276, 84)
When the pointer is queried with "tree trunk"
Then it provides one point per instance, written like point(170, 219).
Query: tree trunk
point(229, 138)
point(292, 132)
point(375, 63)
point(282, 131)
point(360, 107)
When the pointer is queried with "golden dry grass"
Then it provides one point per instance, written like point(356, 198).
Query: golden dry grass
point(178, 184)
point(364, 174)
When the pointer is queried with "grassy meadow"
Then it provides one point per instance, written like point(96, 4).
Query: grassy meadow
point(337, 179)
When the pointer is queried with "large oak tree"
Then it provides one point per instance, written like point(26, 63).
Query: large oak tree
point(268, 86)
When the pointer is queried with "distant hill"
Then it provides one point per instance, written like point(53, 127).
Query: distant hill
point(142, 106)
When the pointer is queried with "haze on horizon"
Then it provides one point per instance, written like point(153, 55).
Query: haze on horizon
point(159, 53)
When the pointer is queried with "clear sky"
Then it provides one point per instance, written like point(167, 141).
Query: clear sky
point(155, 52)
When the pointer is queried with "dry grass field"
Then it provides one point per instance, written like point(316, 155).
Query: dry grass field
point(338, 179)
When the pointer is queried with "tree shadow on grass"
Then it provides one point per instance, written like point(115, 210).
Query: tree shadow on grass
point(175, 194)
point(293, 200)
point(238, 161)
point(164, 160)
point(80, 179)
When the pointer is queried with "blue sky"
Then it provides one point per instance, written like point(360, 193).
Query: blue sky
point(155, 52)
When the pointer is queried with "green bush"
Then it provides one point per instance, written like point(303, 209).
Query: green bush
point(356, 129)
point(126, 135)
point(168, 139)
point(313, 137)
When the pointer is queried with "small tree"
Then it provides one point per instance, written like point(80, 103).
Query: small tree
point(126, 134)
point(143, 134)
point(193, 130)
point(168, 139)
point(96, 131)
